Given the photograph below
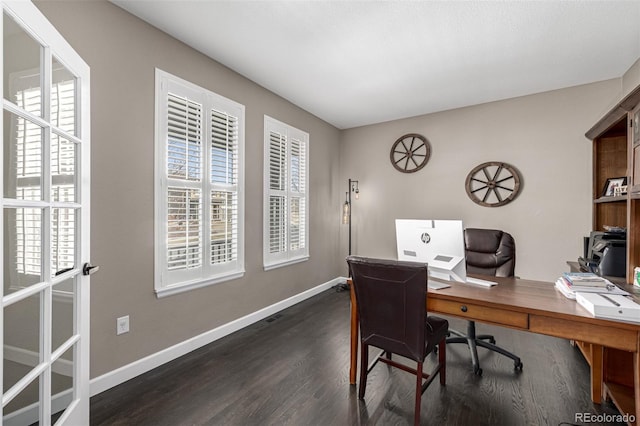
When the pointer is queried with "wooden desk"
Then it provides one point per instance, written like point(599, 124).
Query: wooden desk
point(537, 307)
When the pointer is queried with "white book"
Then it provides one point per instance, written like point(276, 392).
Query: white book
point(610, 306)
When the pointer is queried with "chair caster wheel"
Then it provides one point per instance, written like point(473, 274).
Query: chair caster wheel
point(518, 366)
point(477, 371)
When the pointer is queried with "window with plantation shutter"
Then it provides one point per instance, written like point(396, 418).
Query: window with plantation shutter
point(285, 205)
point(199, 191)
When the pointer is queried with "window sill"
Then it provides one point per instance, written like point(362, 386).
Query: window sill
point(283, 263)
point(192, 285)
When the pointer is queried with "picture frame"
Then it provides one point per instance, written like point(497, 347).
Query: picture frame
point(611, 184)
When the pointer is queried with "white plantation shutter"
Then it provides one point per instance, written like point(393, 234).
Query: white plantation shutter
point(277, 161)
point(297, 216)
point(184, 141)
point(277, 197)
point(224, 188)
point(277, 223)
point(224, 227)
point(184, 228)
point(286, 181)
point(224, 148)
point(184, 191)
point(199, 183)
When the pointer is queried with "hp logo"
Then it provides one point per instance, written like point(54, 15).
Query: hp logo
point(425, 238)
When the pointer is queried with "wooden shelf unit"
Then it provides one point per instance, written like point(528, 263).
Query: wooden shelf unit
point(616, 153)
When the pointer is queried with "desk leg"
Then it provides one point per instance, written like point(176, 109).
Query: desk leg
point(596, 373)
point(353, 368)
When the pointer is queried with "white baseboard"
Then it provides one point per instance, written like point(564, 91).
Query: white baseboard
point(136, 368)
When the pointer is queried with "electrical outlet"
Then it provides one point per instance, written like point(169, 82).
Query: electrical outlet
point(122, 325)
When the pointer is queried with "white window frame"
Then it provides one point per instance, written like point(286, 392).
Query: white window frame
point(286, 255)
point(168, 282)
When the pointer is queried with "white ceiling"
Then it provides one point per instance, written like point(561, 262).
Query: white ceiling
point(354, 63)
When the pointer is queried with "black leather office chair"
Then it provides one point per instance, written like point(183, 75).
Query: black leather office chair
point(488, 252)
point(391, 297)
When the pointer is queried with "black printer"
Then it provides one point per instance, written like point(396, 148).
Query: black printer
point(605, 253)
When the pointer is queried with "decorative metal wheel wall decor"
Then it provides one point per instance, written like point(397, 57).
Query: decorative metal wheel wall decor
point(493, 184)
point(410, 153)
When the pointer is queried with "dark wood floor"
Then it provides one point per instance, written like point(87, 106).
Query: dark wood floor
point(292, 369)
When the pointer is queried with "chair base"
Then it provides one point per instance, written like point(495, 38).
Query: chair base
point(474, 341)
point(386, 358)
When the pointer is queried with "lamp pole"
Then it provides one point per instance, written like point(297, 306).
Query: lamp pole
point(349, 201)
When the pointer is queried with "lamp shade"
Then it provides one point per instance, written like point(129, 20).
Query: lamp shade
point(345, 212)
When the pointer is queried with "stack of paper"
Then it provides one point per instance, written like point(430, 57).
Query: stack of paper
point(584, 279)
point(569, 290)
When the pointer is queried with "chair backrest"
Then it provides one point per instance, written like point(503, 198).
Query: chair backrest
point(391, 299)
point(490, 252)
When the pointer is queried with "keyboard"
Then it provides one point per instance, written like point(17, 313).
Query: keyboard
point(483, 283)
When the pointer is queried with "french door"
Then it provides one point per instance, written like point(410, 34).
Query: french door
point(45, 223)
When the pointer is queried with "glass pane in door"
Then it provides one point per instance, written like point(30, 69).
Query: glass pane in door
point(63, 98)
point(63, 229)
point(23, 409)
point(21, 68)
point(22, 248)
point(63, 170)
point(22, 166)
point(61, 384)
point(21, 351)
point(62, 312)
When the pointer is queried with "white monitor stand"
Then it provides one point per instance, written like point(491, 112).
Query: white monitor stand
point(450, 268)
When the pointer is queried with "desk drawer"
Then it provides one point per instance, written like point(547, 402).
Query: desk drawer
point(479, 313)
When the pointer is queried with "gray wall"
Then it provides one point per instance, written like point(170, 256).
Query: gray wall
point(123, 52)
point(542, 135)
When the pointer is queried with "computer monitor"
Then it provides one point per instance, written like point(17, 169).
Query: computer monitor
point(439, 243)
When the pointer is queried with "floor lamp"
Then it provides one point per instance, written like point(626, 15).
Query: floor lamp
point(346, 218)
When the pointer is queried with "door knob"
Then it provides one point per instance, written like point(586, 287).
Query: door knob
point(89, 269)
